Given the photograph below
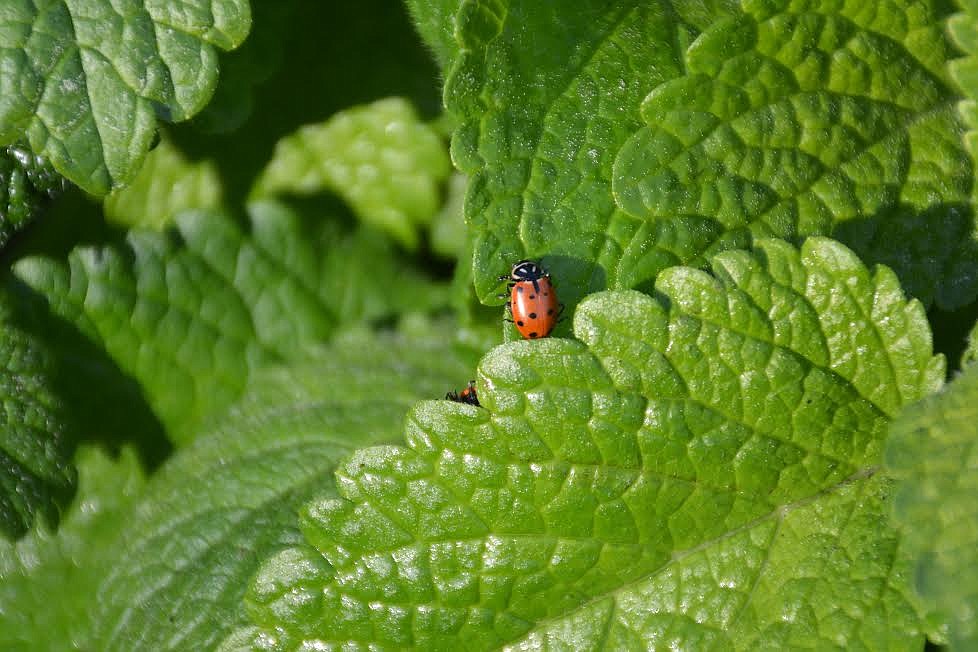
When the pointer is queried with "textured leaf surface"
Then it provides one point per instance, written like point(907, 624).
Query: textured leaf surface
point(27, 182)
point(167, 183)
point(190, 313)
point(619, 139)
point(385, 162)
point(36, 475)
point(222, 505)
point(931, 451)
point(963, 28)
point(47, 581)
point(699, 472)
point(85, 80)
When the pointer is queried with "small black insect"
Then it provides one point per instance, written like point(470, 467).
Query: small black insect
point(467, 395)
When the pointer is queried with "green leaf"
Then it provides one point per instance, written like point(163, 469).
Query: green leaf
point(547, 94)
point(380, 158)
point(36, 475)
point(190, 313)
point(931, 452)
point(221, 506)
point(698, 472)
point(167, 183)
point(27, 182)
point(434, 20)
point(620, 139)
point(47, 581)
point(963, 29)
point(791, 122)
point(85, 80)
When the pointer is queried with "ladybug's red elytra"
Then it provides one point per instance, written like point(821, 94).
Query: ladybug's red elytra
point(467, 395)
point(532, 300)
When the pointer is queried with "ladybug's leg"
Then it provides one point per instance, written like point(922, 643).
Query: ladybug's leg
point(560, 311)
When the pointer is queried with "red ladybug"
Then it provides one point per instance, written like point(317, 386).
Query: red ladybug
point(532, 300)
point(467, 395)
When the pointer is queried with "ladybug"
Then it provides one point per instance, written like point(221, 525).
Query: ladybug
point(532, 300)
point(467, 395)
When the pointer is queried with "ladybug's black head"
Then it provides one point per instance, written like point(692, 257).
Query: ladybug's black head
point(527, 270)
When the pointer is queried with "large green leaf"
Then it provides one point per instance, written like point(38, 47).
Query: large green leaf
point(618, 139)
point(36, 475)
point(932, 452)
point(85, 80)
point(225, 503)
point(47, 581)
point(381, 158)
point(698, 472)
point(190, 313)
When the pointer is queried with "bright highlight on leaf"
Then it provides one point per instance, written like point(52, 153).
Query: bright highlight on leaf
point(624, 140)
point(85, 80)
point(381, 158)
point(932, 453)
point(699, 471)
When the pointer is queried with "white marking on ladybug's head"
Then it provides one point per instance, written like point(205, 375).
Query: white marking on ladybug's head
point(527, 270)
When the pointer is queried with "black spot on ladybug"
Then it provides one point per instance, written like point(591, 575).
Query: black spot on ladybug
point(550, 311)
point(533, 315)
point(546, 294)
point(533, 335)
point(533, 296)
point(519, 323)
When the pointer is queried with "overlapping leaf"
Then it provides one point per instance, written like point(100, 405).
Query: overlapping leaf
point(385, 162)
point(46, 596)
point(775, 120)
point(36, 475)
point(85, 80)
point(547, 94)
point(699, 472)
point(224, 504)
point(190, 313)
point(932, 452)
point(798, 120)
